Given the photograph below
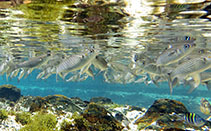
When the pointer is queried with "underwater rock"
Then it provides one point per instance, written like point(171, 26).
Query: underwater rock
point(10, 92)
point(101, 100)
point(159, 109)
point(62, 104)
point(174, 129)
point(30, 103)
point(37, 104)
point(79, 102)
point(104, 119)
point(57, 103)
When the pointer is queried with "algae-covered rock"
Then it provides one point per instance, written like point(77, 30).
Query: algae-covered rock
point(161, 109)
point(101, 100)
point(96, 117)
point(100, 118)
point(62, 103)
point(41, 122)
point(10, 92)
point(79, 102)
point(37, 104)
point(55, 103)
point(23, 117)
point(3, 114)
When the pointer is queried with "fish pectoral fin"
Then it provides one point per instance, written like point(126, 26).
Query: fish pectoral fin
point(196, 83)
point(154, 80)
point(84, 69)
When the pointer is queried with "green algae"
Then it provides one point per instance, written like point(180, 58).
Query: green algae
point(41, 122)
point(3, 114)
point(23, 117)
point(66, 125)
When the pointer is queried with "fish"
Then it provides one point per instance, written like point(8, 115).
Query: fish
point(100, 63)
point(32, 62)
point(205, 78)
point(205, 106)
point(119, 67)
point(75, 62)
point(191, 68)
point(155, 72)
point(90, 73)
point(174, 54)
point(191, 119)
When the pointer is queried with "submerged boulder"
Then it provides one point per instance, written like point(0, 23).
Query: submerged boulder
point(10, 92)
point(57, 103)
point(96, 117)
point(101, 100)
point(62, 104)
point(161, 110)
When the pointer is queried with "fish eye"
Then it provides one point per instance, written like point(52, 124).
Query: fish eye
point(204, 59)
point(186, 46)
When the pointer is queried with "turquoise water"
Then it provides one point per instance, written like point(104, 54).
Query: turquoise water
point(118, 30)
point(132, 94)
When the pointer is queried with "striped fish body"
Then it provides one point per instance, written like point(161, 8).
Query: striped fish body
point(192, 66)
point(205, 76)
point(69, 63)
point(194, 119)
point(175, 54)
point(75, 62)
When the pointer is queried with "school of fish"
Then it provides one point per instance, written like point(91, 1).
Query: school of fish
point(180, 63)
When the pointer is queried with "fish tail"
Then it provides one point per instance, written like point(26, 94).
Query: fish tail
point(56, 77)
point(192, 88)
point(170, 83)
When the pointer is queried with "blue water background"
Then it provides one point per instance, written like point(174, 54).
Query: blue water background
point(132, 94)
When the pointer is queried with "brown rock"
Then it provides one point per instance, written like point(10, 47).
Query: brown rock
point(161, 108)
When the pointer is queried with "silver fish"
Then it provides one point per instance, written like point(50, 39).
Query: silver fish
point(191, 68)
point(174, 54)
point(205, 78)
point(75, 62)
point(100, 63)
point(32, 62)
